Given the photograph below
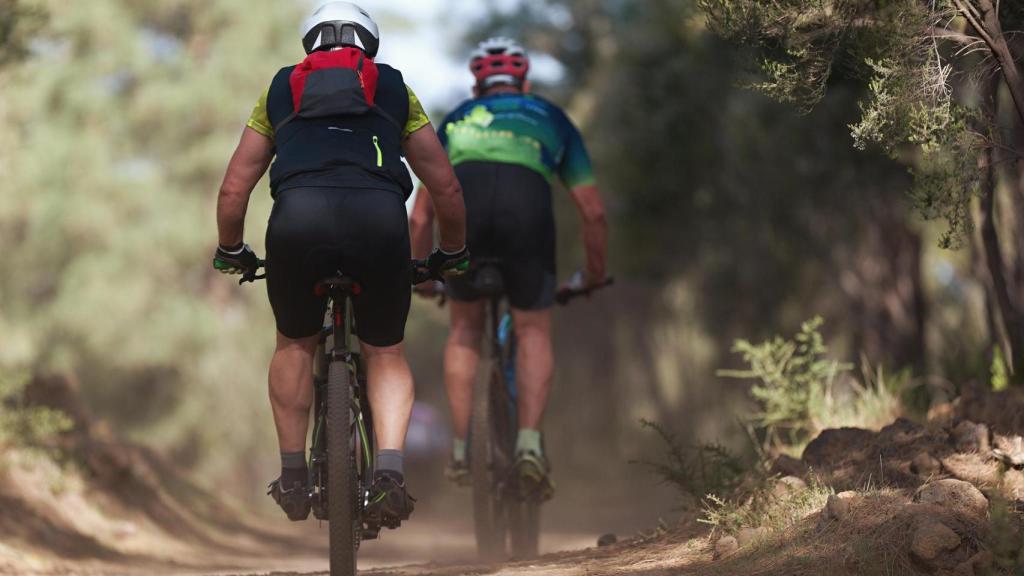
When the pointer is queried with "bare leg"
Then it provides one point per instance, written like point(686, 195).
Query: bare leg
point(291, 390)
point(461, 358)
point(534, 364)
point(391, 394)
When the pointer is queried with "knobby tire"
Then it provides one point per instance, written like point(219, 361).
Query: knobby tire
point(341, 474)
point(487, 523)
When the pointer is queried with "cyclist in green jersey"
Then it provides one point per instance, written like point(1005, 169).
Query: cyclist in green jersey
point(506, 146)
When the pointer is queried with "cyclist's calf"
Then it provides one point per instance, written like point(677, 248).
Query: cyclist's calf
point(291, 392)
point(534, 364)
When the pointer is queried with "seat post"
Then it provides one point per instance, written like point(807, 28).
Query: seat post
point(340, 303)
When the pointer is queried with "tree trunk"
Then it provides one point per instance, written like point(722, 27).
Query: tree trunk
point(990, 29)
point(1009, 316)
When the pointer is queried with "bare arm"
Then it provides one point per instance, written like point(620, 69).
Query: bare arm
point(430, 162)
point(595, 230)
point(421, 225)
point(245, 169)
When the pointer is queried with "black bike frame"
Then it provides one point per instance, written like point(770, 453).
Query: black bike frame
point(343, 324)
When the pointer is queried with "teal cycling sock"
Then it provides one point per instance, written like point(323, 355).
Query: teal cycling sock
point(458, 450)
point(528, 440)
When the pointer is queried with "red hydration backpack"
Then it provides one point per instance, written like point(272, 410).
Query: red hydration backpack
point(334, 83)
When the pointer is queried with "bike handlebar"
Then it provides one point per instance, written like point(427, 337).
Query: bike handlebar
point(565, 295)
point(420, 273)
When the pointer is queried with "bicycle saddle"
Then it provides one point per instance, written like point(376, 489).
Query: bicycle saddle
point(337, 284)
point(488, 282)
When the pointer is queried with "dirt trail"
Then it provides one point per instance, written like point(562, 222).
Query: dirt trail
point(417, 553)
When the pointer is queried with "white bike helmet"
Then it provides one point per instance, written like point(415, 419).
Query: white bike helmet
point(336, 24)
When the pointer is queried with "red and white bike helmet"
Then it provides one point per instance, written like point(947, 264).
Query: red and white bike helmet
point(499, 60)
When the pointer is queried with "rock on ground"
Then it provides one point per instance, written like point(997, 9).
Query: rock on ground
point(836, 445)
point(786, 465)
point(747, 536)
point(971, 437)
point(837, 507)
point(788, 486)
point(932, 540)
point(976, 565)
point(924, 464)
point(956, 496)
point(725, 546)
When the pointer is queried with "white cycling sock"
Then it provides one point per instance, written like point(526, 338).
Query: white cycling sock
point(528, 440)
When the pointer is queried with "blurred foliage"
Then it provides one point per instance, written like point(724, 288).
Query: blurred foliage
point(18, 22)
point(999, 379)
point(765, 210)
point(1005, 535)
point(22, 425)
point(896, 47)
point(116, 135)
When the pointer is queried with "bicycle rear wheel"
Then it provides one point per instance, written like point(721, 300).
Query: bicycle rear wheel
point(342, 505)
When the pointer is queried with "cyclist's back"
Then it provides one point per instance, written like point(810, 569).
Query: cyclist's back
point(506, 148)
point(336, 126)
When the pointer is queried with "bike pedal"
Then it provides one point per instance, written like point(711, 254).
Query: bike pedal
point(371, 533)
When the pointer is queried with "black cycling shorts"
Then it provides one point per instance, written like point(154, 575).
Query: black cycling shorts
point(509, 217)
point(316, 232)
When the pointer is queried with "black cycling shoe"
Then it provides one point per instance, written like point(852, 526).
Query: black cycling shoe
point(389, 503)
point(532, 477)
point(457, 472)
point(294, 501)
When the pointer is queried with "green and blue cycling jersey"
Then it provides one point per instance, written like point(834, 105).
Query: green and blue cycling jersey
point(519, 129)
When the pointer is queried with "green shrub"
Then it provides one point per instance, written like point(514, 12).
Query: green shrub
point(792, 377)
point(697, 470)
point(23, 425)
point(1005, 535)
point(759, 507)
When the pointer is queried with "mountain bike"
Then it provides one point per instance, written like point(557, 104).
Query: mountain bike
point(339, 486)
point(504, 518)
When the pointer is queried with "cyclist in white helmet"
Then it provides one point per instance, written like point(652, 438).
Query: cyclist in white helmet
point(336, 127)
point(507, 146)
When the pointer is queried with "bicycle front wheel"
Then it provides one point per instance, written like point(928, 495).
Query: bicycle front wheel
point(342, 495)
point(488, 512)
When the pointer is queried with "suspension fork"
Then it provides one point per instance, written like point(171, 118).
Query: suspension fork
point(494, 313)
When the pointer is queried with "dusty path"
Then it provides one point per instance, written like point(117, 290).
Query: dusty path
point(417, 548)
point(568, 555)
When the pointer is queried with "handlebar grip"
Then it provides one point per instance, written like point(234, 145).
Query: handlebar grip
point(421, 272)
point(564, 296)
point(253, 275)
